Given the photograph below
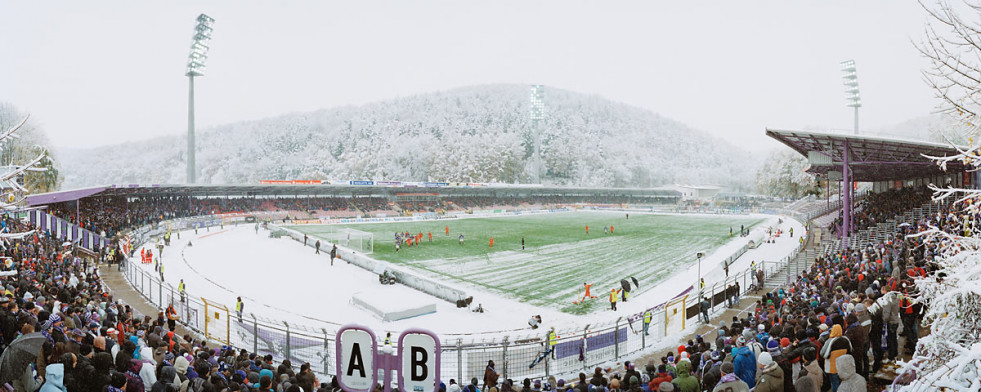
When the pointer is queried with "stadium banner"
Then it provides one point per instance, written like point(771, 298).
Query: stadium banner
point(361, 182)
point(604, 340)
point(293, 182)
point(389, 183)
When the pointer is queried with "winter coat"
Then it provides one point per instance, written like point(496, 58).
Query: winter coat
point(656, 381)
point(711, 376)
point(167, 376)
point(133, 381)
point(857, 336)
point(54, 378)
point(453, 388)
point(770, 379)
point(685, 382)
point(890, 307)
point(731, 383)
point(745, 364)
point(29, 381)
point(788, 371)
point(598, 380)
point(850, 381)
point(835, 347)
point(865, 321)
point(490, 376)
point(805, 384)
point(814, 373)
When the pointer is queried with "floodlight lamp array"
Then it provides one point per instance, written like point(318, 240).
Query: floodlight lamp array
point(852, 97)
point(537, 102)
point(199, 45)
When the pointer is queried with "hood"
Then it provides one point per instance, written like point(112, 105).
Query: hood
point(744, 350)
point(266, 372)
point(146, 354)
point(135, 365)
point(773, 370)
point(845, 365)
point(684, 368)
point(836, 331)
point(168, 373)
point(55, 373)
point(180, 365)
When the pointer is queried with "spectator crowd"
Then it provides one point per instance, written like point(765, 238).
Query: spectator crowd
point(815, 334)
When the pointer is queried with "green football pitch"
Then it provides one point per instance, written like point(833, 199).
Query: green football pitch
point(559, 255)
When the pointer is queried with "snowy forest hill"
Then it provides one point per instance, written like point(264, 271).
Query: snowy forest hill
point(471, 134)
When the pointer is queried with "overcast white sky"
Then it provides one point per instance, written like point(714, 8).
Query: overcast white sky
point(95, 73)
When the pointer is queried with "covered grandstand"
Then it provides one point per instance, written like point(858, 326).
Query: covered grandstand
point(886, 163)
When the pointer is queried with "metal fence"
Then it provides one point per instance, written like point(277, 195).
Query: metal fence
point(578, 348)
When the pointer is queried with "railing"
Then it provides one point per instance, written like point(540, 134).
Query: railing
point(578, 348)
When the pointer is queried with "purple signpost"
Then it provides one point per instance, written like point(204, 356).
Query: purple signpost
point(359, 360)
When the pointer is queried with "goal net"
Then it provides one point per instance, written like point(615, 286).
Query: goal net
point(357, 240)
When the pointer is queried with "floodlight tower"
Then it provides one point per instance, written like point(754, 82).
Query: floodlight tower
point(537, 115)
point(851, 88)
point(195, 67)
point(854, 100)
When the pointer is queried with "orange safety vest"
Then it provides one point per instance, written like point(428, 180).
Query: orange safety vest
point(171, 313)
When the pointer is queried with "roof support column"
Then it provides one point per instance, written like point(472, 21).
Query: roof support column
point(846, 208)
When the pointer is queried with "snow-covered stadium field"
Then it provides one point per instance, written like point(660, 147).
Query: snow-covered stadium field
point(559, 255)
point(280, 279)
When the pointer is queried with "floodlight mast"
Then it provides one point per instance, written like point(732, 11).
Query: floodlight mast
point(537, 115)
point(195, 67)
point(852, 97)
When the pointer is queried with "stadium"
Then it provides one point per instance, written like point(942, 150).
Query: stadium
point(201, 249)
point(370, 206)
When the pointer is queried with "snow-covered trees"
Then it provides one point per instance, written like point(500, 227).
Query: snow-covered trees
point(479, 134)
point(26, 145)
point(951, 355)
point(784, 174)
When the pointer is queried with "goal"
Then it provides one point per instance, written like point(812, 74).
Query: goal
point(357, 240)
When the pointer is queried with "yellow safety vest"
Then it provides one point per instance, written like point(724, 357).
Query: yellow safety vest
point(613, 296)
point(238, 306)
point(647, 317)
point(180, 287)
point(552, 338)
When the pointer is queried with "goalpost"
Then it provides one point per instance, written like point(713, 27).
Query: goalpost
point(361, 241)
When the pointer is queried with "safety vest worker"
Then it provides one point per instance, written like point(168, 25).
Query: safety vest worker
point(613, 295)
point(171, 312)
point(647, 317)
point(180, 287)
point(552, 337)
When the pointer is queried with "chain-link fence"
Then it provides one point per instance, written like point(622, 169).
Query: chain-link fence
point(517, 356)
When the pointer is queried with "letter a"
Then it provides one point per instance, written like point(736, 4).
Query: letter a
point(356, 361)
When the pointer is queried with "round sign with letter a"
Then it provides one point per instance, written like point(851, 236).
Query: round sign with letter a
point(355, 355)
point(419, 356)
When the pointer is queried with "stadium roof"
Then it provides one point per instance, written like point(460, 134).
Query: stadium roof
point(871, 158)
point(333, 190)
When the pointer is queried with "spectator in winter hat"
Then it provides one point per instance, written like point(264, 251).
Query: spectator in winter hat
point(769, 377)
point(729, 380)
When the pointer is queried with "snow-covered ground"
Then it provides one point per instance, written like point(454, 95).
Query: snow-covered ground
point(280, 279)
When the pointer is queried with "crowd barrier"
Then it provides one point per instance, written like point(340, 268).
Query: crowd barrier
point(605, 340)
